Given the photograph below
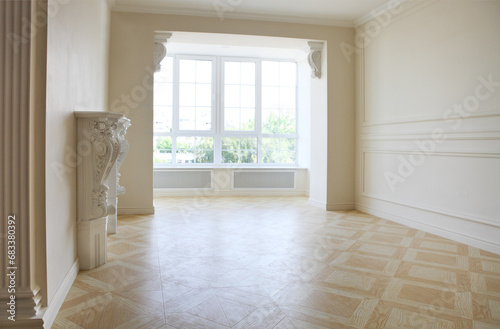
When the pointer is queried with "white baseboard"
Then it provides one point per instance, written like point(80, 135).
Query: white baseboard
point(435, 225)
point(55, 304)
point(339, 206)
point(136, 211)
point(317, 204)
point(157, 193)
point(331, 206)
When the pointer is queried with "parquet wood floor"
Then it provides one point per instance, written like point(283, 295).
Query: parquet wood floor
point(279, 262)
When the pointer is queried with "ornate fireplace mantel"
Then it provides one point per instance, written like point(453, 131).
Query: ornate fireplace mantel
point(100, 136)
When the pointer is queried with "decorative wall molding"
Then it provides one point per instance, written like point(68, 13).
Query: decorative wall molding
point(436, 228)
point(98, 130)
point(314, 58)
point(450, 135)
point(445, 154)
point(445, 212)
point(482, 114)
point(154, 8)
point(160, 50)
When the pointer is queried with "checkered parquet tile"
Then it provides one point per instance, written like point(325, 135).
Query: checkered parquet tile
point(280, 263)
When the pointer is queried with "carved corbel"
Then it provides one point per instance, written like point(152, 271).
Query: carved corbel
point(123, 125)
point(98, 132)
point(314, 58)
point(160, 48)
point(106, 146)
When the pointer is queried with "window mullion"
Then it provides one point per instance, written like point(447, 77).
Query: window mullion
point(258, 109)
point(175, 110)
point(218, 112)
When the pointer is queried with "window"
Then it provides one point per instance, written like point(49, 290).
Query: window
point(223, 110)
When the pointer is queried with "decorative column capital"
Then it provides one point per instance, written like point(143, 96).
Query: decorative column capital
point(314, 58)
point(161, 39)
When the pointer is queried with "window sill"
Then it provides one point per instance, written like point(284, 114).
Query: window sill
point(212, 167)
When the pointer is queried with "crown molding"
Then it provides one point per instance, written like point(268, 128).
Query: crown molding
point(377, 12)
point(230, 15)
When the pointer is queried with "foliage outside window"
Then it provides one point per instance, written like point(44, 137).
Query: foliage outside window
point(220, 111)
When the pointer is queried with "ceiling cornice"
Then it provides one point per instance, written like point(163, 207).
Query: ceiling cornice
point(231, 15)
point(377, 12)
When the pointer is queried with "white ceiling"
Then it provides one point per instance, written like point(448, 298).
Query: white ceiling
point(324, 12)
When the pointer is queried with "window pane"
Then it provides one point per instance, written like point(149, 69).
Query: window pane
point(204, 71)
point(239, 96)
point(287, 97)
point(232, 73)
point(287, 157)
point(248, 143)
point(248, 157)
point(270, 97)
point(270, 121)
point(229, 156)
point(269, 157)
point(247, 119)
point(162, 147)
point(204, 156)
point(162, 119)
point(270, 144)
point(278, 150)
point(185, 150)
point(248, 73)
point(187, 118)
point(232, 96)
point(163, 94)
point(232, 119)
point(203, 118)
point(204, 143)
point(187, 92)
point(288, 74)
point(185, 143)
point(203, 95)
point(270, 73)
point(239, 150)
point(204, 150)
point(287, 144)
point(287, 122)
point(229, 143)
point(187, 70)
point(247, 96)
point(166, 72)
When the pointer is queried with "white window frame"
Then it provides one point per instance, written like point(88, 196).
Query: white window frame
point(218, 132)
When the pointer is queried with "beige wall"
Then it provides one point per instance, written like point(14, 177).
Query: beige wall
point(428, 124)
point(77, 54)
point(332, 120)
